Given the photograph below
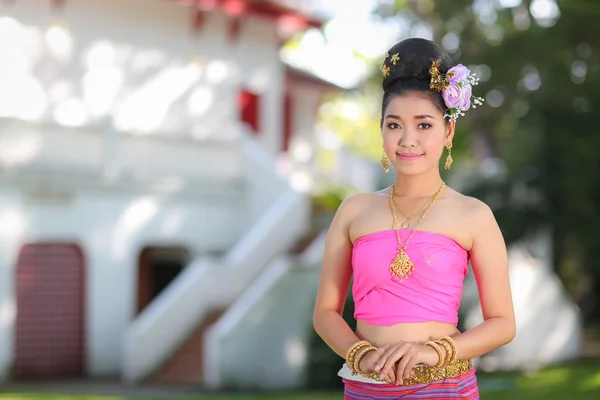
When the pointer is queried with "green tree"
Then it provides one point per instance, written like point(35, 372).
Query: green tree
point(539, 120)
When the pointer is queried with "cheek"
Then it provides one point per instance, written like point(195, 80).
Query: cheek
point(390, 139)
point(433, 144)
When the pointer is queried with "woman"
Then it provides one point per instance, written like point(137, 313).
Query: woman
point(408, 247)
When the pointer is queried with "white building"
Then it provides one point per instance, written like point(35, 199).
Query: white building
point(125, 170)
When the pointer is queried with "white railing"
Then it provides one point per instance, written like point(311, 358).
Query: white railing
point(247, 303)
point(169, 320)
point(35, 154)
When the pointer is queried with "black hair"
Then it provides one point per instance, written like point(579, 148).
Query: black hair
point(411, 71)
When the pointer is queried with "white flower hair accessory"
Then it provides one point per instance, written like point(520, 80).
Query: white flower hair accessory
point(456, 87)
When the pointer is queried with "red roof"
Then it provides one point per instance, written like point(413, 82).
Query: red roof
point(268, 8)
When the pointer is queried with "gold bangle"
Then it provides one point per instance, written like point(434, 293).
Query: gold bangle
point(356, 345)
point(438, 350)
point(359, 356)
point(351, 353)
point(449, 351)
point(452, 344)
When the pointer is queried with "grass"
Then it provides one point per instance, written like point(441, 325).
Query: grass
point(296, 396)
point(568, 382)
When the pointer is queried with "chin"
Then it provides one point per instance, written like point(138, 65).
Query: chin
point(413, 169)
point(410, 171)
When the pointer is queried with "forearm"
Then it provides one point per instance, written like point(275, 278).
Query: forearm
point(334, 331)
point(488, 336)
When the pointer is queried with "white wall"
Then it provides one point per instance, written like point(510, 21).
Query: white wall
point(52, 153)
point(84, 76)
point(259, 68)
point(301, 159)
point(136, 65)
point(111, 229)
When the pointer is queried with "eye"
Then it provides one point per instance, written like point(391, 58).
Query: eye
point(424, 125)
point(393, 125)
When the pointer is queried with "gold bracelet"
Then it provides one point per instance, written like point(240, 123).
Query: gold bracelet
point(452, 344)
point(448, 349)
point(359, 356)
point(438, 350)
point(356, 345)
point(351, 353)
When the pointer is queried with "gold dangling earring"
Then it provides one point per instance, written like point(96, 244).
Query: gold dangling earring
point(449, 159)
point(385, 163)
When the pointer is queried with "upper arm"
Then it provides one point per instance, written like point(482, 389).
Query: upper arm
point(336, 270)
point(490, 264)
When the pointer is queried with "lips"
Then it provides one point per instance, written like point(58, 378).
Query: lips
point(409, 156)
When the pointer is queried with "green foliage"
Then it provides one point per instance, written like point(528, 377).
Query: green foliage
point(538, 119)
point(540, 83)
point(354, 117)
point(329, 200)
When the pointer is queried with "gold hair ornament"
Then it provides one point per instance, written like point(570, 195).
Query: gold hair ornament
point(385, 69)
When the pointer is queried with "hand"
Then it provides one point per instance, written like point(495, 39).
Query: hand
point(403, 357)
point(368, 364)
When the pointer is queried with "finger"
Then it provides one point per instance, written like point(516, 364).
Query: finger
point(400, 371)
point(391, 376)
point(378, 356)
point(390, 363)
point(385, 360)
point(392, 358)
point(409, 372)
point(385, 353)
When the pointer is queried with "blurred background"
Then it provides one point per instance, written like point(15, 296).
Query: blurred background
point(168, 171)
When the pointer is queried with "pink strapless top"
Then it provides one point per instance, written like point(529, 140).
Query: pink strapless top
point(432, 291)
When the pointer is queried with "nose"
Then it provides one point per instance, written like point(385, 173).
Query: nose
point(408, 138)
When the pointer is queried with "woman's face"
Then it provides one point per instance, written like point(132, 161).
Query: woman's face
point(414, 133)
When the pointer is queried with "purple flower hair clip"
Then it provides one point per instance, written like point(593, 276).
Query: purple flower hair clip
point(456, 88)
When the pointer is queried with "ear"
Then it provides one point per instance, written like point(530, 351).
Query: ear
point(450, 131)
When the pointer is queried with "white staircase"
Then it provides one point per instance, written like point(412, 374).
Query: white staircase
point(278, 217)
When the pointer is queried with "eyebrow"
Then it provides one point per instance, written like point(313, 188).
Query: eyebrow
point(422, 116)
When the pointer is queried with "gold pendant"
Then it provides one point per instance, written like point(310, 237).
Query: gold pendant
point(402, 266)
point(405, 224)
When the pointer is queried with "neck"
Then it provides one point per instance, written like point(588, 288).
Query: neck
point(422, 185)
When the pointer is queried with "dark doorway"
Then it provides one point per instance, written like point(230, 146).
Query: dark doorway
point(157, 268)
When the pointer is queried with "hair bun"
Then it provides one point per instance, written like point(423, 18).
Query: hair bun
point(411, 59)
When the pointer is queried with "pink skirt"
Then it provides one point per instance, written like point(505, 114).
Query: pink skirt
point(461, 387)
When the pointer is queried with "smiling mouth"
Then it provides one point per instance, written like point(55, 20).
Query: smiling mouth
point(409, 156)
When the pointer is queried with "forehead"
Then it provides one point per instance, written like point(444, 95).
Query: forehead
point(411, 103)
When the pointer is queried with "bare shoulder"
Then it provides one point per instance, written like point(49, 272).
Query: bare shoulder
point(360, 213)
point(354, 205)
point(475, 214)
point(478, 213)
point(469, 208)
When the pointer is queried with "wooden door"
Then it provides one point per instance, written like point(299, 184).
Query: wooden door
point(49, 337)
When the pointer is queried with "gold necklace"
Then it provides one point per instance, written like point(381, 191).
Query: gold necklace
point(406, 223)
point(402, 266)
